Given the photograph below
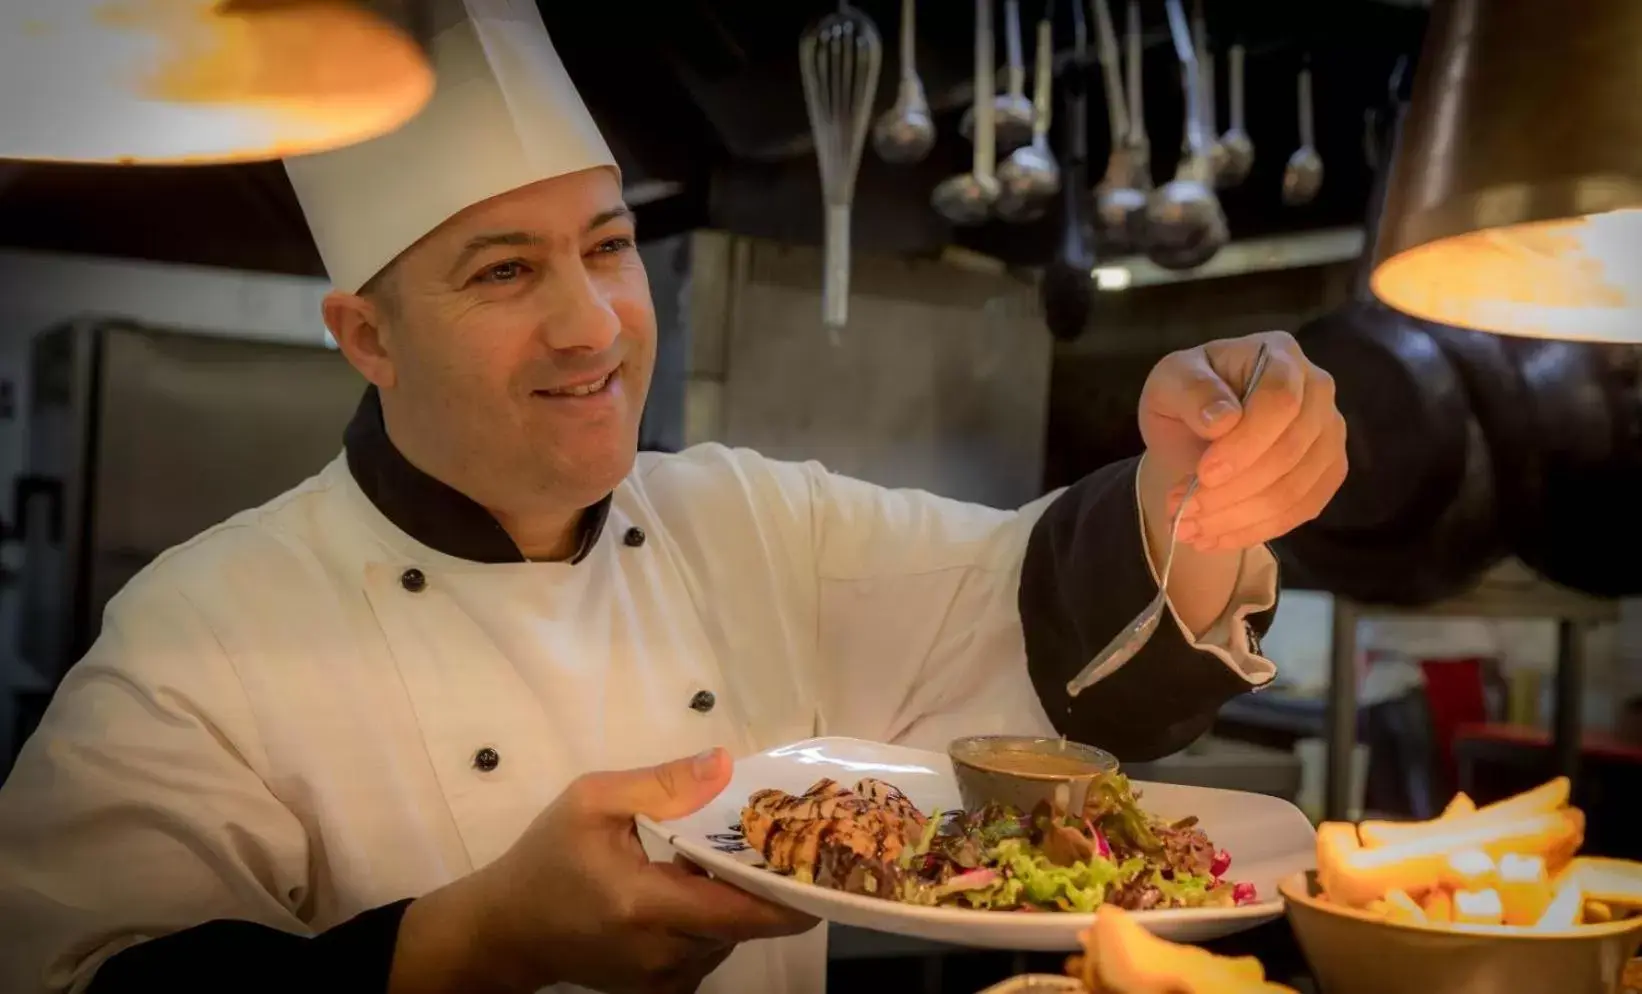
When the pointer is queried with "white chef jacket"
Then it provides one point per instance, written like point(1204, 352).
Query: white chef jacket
point(279, 724)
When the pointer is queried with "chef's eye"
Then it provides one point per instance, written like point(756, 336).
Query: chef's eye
point(613, 246)
point(503, 272)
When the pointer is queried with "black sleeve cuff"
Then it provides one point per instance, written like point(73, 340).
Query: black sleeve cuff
point(355, 956)
point(1086, 575)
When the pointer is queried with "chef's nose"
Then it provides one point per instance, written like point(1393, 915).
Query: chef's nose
point(583, 316)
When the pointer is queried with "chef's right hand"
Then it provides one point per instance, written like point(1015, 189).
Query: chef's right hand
point(577, 900)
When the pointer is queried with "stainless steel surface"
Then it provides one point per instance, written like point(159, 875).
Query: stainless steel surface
point(1489, 150)
point(1012, 114)
point(1236, 141)
point(1341, 717)
point(1303, 176)
point(1138, 632)
point(1030, 177)
point(1185, 223)
point(155, 437)
point(1120, 196)
point(839, 60)
point(968, 197)
point(905, 133)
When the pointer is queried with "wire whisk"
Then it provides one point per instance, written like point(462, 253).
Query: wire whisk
point(839, 58)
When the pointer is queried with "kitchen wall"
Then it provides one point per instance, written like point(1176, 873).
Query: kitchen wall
point(940, 380)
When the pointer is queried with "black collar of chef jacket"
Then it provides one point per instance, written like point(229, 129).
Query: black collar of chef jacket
point(434, 513)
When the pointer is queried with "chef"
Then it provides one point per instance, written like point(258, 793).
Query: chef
point(389, 731)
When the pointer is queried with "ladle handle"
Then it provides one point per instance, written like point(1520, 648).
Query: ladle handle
point(1131, 57)
point(1307, 139)
point(909, 39)
point(1012, 43)
point(1205, 68)
point(1234, 74)
point(1191, 79)
point(1117, 115)
point(1042, 107)
point(986, 151)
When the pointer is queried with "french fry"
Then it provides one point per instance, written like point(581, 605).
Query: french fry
point(1478, 907)
point(1615, 882)
point(1525, 889)
point(1127, 958)
point(1336, 840)
point(1596, 913)
point(1360, 875)
point(1472, 869)
point(1547, 797)
point(1402, 908)
point(1563, 911)
point(1460, 805)
point(1439, 906)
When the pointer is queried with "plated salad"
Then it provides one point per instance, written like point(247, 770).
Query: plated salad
point(873, 840)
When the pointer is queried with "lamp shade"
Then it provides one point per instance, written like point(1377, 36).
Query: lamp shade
point(203, 81)
point(1515, 199)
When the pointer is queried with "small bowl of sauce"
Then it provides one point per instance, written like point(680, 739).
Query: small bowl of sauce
point(1023, 770)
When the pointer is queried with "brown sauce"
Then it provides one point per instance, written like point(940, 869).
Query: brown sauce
point(1052, 764)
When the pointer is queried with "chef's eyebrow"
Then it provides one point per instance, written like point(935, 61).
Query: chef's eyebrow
point(479, 243)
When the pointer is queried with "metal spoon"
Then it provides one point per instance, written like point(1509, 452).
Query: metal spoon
point(1030, 177)
point(905, 133)
point(1138, 632)
point(1186, 225)
point(1205, 67)
point(1236, 141)
point(1303, 176)
point(1120, 196)
point(968, 197)
point(1012, 114)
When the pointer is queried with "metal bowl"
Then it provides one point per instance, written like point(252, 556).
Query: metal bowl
point(1354, 952)
point(978, 764)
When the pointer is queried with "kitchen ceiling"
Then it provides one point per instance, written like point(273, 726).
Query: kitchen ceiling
point(701, 102)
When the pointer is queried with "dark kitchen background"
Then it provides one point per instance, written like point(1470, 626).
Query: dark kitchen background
point(156, 323)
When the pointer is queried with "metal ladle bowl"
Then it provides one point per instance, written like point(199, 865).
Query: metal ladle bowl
point(1030, 177)
point(1011, 121)
point(1120, 206)
point(1185, 222)
point(966, 198)
point(905, 133)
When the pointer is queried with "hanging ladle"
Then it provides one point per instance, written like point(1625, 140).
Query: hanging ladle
point(905, 133)
point(1303, 176)
point(1030, 177)
point(1185, 223)
point(1218, 157)
point(968, 197)
point(1120, 196)
point(1236, 141)
point(1012, 113)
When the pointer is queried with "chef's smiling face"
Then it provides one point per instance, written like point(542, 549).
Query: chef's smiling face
point(513, 346)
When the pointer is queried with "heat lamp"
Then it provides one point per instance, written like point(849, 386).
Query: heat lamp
point(173, 82)
point(1515, 199)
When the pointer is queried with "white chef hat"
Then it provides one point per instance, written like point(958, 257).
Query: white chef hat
point(504, 115)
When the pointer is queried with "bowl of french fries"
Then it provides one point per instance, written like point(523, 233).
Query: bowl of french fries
point(1120, 957)
point(1474, 901)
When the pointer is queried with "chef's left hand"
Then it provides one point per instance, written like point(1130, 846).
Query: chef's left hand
point(1263, 470)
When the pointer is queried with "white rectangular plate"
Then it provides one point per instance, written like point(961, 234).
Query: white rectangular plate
point(1267, 837)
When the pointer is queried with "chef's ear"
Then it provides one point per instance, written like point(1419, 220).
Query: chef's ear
point(359, 323)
